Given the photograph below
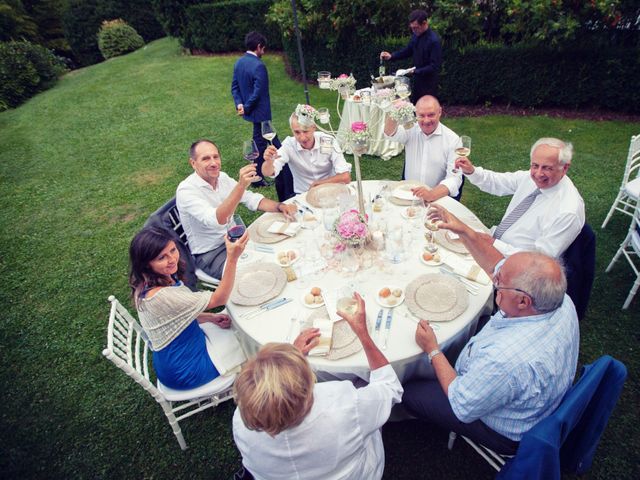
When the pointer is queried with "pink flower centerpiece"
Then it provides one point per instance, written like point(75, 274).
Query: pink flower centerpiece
point(358, 137)
point(351, 228)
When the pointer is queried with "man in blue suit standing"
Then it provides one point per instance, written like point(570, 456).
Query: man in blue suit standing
point(250, 91)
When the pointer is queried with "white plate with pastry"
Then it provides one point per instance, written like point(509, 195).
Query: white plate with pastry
point(313, 298)
point(431, 259)
point(286, 258)
point(390, 296)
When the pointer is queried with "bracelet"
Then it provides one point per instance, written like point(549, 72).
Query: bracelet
point(433, 353)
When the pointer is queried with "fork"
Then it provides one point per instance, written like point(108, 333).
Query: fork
point(462, 279)
point(291, 327)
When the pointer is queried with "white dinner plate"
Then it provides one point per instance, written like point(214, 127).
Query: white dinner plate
point(405, 215)
point(384, 302)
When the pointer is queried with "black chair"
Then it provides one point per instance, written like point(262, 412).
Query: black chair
point(580, 264)
point(284, 184)
point(168, 217)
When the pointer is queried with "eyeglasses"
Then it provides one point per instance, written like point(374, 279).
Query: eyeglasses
point(496, 280)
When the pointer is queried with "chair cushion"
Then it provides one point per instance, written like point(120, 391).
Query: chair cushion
point(216, 385)
point(632, 188)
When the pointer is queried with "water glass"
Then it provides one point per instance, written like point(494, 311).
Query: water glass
point(323, 115)
point(326, 145)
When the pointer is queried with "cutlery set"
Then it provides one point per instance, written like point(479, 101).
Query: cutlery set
point(265, 307)
point(471, 286)
point(387, 327)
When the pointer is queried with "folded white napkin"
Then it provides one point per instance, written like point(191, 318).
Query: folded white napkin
point(326, 332)
point(289, 229)
point(223, 348)
point(470, 270)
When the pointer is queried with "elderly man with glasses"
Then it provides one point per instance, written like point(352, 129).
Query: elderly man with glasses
point(516, 370)
point(546, 212)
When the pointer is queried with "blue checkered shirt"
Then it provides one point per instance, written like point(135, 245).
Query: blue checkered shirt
point(516, 370)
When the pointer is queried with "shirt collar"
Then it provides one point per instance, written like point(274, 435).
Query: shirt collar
point(251, 53)
point(437, 131)
point(316, 144)
point(198, 181)
point(500, 321)
point(554, 189)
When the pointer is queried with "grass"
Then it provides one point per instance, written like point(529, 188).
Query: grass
point(83, 165)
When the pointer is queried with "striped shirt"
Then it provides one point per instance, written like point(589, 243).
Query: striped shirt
point(516, 370)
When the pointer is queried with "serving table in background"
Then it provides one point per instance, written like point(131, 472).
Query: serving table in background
point(407, 358)
point(373, 116)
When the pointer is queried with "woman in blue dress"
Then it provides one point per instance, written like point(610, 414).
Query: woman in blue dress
point(171, 314)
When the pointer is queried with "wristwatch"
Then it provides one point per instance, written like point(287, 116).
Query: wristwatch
point(433, 353)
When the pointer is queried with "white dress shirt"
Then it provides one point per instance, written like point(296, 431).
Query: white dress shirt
point(307, 166)
point(338, 439)
point(550, 224)
point(430, 158)
point(197, 202)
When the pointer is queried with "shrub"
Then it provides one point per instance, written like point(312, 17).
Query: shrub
point(116, 38)
point(221, 27)
point(81, 20)
point(172, 14)
point(25, 69)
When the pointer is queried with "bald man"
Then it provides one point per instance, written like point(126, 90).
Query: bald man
point(429, 151)
point(516, 370)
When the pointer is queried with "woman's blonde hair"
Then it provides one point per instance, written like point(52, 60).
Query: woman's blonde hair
point(274, 390)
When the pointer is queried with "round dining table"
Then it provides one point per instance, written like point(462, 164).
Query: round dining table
point(407, 358)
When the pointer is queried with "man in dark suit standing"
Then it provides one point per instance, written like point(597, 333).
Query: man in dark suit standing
point(425, 49)
point(250, 91)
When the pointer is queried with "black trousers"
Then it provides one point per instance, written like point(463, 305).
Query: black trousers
point(426, 400)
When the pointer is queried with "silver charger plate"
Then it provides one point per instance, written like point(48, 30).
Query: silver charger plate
point(257, 283)
point(258, 230)
point(436, 297)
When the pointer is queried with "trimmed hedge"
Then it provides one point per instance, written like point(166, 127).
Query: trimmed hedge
point(573, 76)
point(116, 38)
point(221, 27)
point(25, 69)
point(569, 77)
point(81, 21)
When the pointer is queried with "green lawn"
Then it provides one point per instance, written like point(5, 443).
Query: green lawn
point(82, 166)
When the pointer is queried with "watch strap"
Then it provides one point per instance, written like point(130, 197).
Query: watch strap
point(433, 353)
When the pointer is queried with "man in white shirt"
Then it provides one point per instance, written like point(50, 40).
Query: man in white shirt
point(311, 162)
point(429, 151)
point(555, 216)
point(208, 197)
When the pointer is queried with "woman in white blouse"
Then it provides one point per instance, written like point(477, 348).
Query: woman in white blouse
point(171, 314)
point(288, 427)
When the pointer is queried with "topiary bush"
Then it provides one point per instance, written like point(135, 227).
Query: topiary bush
point(116, 38)
point(25, 69)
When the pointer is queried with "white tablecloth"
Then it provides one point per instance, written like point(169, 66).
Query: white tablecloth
point(379, 146)
point(404, 354)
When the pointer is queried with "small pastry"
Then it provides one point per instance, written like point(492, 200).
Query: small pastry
point(318, 300)
point(309, 299)
point(315, 291)
point(397, 292)
point(291, 255)
point(427, 257)
point(385, 292)
point(392, 301)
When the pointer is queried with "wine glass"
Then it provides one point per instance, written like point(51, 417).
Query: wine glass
point(268, 131)
point(250, 153)
point(403, 87)
point(464, 150)
point(235, 227)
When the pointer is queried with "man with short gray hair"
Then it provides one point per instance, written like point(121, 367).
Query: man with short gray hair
point(546, 212)
point(311, 160)
point(516, 370)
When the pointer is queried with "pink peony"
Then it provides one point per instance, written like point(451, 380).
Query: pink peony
point(344, 75)
point(357, 127)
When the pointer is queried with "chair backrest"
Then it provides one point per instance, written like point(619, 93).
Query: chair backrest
point(580, 263)
point(632, 168)
point(567, 439)
point(168, 217)
point(128, 346)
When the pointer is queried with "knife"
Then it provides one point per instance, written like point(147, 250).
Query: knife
point(387, 329)
point(273, 306)
point(378, 324)
point(264, 306)
point(301, 205)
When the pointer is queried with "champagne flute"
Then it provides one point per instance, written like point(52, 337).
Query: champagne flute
point(250, 153)
point(403, 87)
point(464, 150)
point(268, 131)
point(235, 227)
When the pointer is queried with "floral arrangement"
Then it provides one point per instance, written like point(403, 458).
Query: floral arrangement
point(306, 115)
point(402, 111)
point(351, 228)
point(343, 82)
point(359, 133)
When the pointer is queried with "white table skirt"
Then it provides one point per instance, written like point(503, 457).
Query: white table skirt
point(407, 358)
point(379, 145)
